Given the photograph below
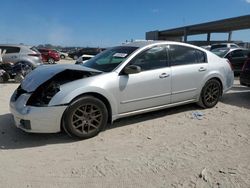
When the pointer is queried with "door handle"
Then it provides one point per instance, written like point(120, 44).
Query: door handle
point(202, 69)
point(164, 75)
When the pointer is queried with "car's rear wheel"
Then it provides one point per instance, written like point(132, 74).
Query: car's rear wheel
point(62, 56)
point(75, 57)
point(85, 117)
point(210, 94)
point(51, 61)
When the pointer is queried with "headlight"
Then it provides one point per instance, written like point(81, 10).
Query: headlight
point(43, 94)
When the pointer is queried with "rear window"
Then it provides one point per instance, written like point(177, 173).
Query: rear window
point(34, 49)
point(218, 46)
point(221, 52)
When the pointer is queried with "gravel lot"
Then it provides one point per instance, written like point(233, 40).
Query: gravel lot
point(167, 148)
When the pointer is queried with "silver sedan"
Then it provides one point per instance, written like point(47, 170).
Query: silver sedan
point(122, 81)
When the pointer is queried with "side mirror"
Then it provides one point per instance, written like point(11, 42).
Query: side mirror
point(132, 69)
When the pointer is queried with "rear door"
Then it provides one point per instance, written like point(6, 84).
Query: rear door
point(188, 66)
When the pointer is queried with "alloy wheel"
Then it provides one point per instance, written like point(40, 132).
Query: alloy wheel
point(87, 119)
point(212, 93)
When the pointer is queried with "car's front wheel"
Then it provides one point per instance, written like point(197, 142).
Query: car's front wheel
point(210, 94)
point(85, 117)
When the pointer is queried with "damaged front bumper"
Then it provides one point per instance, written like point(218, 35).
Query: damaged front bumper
point(36, 119)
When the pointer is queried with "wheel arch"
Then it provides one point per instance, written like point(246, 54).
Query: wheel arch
point(217, 77)
point(96, 95)
point(219, 80)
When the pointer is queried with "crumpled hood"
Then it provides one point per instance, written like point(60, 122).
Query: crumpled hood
point(45, 72)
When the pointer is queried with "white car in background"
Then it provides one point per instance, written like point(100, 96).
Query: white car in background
point(63, 55)
point(122, 81)
point(84, 58)
point(223, 45)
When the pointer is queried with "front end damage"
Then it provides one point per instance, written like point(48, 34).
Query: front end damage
point(30, 102)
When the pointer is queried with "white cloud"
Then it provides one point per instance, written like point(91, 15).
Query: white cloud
point(248, 1)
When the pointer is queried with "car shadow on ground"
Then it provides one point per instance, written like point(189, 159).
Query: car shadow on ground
point(154, 115)
point(14, 138)
point(238, 96)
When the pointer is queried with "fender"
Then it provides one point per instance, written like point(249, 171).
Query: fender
point(71, 90)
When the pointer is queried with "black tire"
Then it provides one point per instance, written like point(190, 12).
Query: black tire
point(85, 117)
point(51, 61)
point(5, 77)
point(210, 94)
point(62, 56)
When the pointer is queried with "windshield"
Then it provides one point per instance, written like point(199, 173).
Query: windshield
point(221, 52)
point(109, 59)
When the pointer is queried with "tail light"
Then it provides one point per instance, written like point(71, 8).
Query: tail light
point(230, 64)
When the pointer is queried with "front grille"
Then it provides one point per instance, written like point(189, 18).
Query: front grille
point(19, 92)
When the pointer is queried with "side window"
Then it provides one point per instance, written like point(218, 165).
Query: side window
point(201, 57)
point(152, 58)
point(237, 53)
point(182, 55)
point(86, 58)
point(10, 49)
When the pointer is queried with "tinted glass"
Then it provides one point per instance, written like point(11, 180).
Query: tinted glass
point(153, 58)
point(201, 56)
point(34, 49)
point(108, 60)
point(182, 55)
point(218, 46)
point(221, 52)
point(86, 58)
point(237, 53)
point(10, 49)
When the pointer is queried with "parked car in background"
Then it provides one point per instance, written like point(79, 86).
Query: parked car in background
point(63, 55)
point(84, 58)
point(134, 78)
point(50, 56)
point(224, 45)
point(90, 51)
point(236, 56)
point(245, 73)
point(207, 47)
point(3, 76)
point(21, 53)
point(15, 71)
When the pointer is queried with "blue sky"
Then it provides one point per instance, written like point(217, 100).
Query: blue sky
point(108, 22)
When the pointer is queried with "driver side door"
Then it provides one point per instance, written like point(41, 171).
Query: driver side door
point(149, 88)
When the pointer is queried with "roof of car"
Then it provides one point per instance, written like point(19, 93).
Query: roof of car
point(225, 43)
point(140, 44)
point(229, 49)
point(16, 45)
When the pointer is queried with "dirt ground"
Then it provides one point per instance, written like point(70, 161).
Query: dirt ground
point(167, 148)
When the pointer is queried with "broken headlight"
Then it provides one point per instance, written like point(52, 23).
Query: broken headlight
point(43, 94)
